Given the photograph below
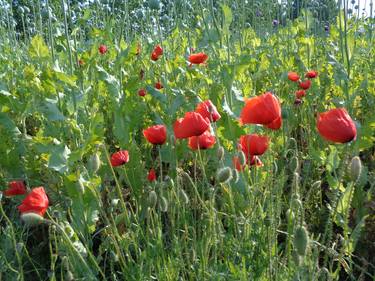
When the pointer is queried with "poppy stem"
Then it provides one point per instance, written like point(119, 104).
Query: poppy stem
point(160, 163)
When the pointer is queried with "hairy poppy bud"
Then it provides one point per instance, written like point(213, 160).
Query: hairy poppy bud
point(220, 153)
point(94, 163)
point(224, 175)
point(236, 175)
point(69, 276)
point(296, 258)
point(355, 168)
point(152, 199)
point(31, 219)
point(301, 240)
point(163, 204)
point(242, 158)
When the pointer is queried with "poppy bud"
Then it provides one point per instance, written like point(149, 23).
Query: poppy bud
point(236, 175)
point(94, 163)
point(163, 204)
point(224, 175)
point(242, 158)
point(69, 276)
point(31, 219)
point(220, 153)
point(289, 215)
point(301, 240)
point(316, 185)
point(296, 258)
point(80, 186)
point(355, 168)
point(152, 199)
point(151, 175)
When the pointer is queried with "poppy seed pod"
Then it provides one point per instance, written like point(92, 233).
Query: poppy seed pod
point(94, 163)
point(224, 175)
point(152, 199)
point(355, 168)
point(301, 240)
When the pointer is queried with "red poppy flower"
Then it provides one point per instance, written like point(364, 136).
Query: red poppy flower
point(264, 109)
point(151, 175)
point(293, 76)
point(35, 202)
point(204, 141)
point(300, 94)
point(305, 84)
point(15, 188)
point(336, 125)
point(193, 124)
point(156, 53)
point(81, 62)
point(142, 92)
point(311, 74)
point(156, 134)
point(158, 85)
point(103, 49)
point(237, 164)
point(208, 110)
point(198, 58)
point(119, 158)
point(254, 144)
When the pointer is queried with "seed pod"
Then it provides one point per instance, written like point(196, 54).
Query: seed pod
point(220, 153)
point(301, 240)
point(94, 163)
point(152, 199)
point(224, 175)
point(183, 196)
point(80, 186)
point(19, 247)
point(236, 175)
point(31, 219)
point(355, 168)
point(242, 158)
point(163, 204)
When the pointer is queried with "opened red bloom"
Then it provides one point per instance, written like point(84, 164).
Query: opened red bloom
point(198, 58)
point(151, 175)
point(254, 161)
point(311, 74)
point(254, 144)
point(119, 158)
point(336, 125)
point(305, 84)
point(193, 124)
point(156, 134)
point(204, 141)
point(35, 202)
point(208, 110)
point(264, 109)
point(156, 53)
point(293, 76)
point(103, 49)
point(15, 188)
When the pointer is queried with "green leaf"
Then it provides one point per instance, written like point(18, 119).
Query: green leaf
point(38, 48)
point(9, 125)
point(228, 17)
point(58, 159)
point(156, 94)
point(50, 110)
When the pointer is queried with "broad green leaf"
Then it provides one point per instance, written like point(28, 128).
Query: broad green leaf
point(38, 48)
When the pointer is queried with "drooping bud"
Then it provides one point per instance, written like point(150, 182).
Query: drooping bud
point(224, 175)
point(301, 240)
point(355, 168)
point(236, 175)
point(31, 219)
point(242, 158)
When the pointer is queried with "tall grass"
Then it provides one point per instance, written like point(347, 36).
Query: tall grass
point(299, 217)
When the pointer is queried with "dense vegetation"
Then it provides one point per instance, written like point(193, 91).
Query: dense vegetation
point(81, 81)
